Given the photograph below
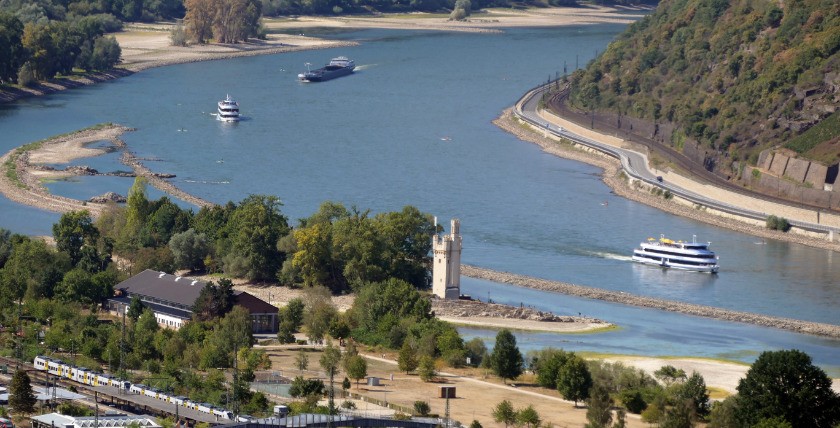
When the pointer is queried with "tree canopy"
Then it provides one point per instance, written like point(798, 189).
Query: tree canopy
point(785, 384)
point(21, 398)
point(505, 359)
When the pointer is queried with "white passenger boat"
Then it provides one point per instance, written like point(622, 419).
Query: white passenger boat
point(668, 253)
point(228, 110)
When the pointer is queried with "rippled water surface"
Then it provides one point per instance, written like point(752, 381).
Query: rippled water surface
point(413, 126)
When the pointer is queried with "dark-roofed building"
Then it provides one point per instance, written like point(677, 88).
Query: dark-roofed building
point(171, 298)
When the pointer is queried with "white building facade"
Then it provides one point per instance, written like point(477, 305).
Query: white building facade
point(446, 267)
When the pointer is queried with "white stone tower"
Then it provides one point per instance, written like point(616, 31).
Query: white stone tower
point(446, 268)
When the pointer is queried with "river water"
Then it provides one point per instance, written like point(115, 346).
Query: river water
point(413, 127)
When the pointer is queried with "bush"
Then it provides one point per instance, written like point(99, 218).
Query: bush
point(632, 400)
point(26, 76)
point(778, 223)
point(422, 408)
point(458, 15)
point(178, 36)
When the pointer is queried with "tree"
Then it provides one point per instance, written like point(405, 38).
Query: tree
point(504, 413)
point(21, 398)
point(574, 379)
point(669, 374)
point(422, 408)
point(679, 415)
point(405, 235)
point(476, 351)
point(407, 359)
point(320, 311)
point(528, 417)
point(254, 229)
point(189, 249)
point(694, 389)
point(214, 300)
point(475, 424)
point(306, 387)
point(293, 312)
point(234, 331)
point(302, 360)
point(426, 369)
point(78, 286)
point(330, 360)
point(5, 246)
point(106, 53)
point(356, 368)
point(598, 411)
point(11, 47)
point(505, 359)
point(199, 19)
point(135, 308)
point(786, 384)
point(547, 363)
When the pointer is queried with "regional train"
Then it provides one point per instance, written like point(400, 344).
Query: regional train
point(88, 377)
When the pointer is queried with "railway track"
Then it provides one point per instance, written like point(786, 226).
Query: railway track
point(108, 396)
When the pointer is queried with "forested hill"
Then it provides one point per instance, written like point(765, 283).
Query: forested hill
point(726, 79)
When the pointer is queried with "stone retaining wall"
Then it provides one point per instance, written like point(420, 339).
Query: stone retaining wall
point(799, 326)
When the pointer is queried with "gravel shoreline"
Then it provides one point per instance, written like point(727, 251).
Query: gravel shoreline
point(798, 326)
point(614, 178)
point(29, 191)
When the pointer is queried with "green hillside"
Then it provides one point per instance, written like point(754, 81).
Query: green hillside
point(734, 77)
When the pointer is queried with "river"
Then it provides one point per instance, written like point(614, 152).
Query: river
point(412, 127)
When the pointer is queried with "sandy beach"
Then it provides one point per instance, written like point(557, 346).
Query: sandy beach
point(29, 190)
point(488, 317)
point(487, 20)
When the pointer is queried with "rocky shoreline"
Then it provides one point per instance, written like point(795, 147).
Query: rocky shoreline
point(615, 179)
point(479, 309)
point(798, 326)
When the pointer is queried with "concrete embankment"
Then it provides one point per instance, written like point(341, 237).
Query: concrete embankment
point(799, 326)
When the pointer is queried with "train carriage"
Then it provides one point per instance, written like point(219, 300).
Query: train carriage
point(89, 377)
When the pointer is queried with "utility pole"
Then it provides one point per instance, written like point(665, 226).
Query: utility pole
point(122, 347)
point(235, 406)
point(446, 412)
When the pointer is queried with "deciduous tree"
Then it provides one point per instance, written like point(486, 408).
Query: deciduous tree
point(407, 358)
point(356, 368)
point(12, 54)
point(786, 384)
point(426, 368)
point(574, 379)
point(189, 249)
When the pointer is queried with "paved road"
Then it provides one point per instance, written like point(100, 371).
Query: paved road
point(635, 164)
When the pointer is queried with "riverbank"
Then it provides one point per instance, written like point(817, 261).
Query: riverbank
point(146, 46)
point(26, 168)
point(464, 312)
point(21, 180)
point(617, 181)
point(492, 20)
point(798, 326)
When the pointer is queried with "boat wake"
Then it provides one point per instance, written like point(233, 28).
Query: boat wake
point(207, 182)
point(364, 67)
point(611, 256)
